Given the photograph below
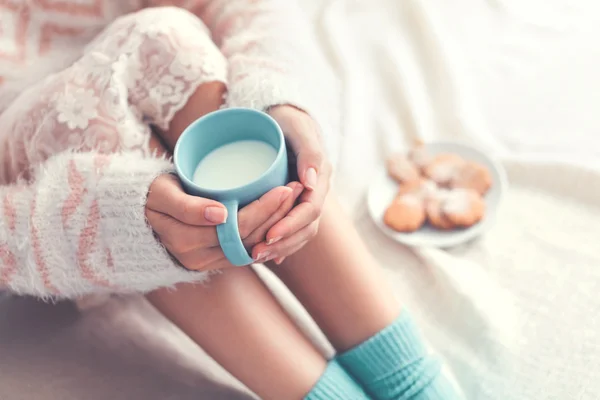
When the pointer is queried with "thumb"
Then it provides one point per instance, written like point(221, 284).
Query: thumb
point(309, 160)
point(167, 196)
point(303, 136)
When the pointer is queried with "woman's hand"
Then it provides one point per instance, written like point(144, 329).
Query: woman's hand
point(186, 224)
point(307, 154)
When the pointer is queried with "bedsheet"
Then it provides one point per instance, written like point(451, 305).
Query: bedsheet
point(514, 312)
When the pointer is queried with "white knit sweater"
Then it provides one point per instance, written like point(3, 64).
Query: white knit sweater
point(80, 82)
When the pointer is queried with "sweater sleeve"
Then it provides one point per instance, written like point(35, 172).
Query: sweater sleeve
point(272, 56)
point(78, 227)
point(273, 59)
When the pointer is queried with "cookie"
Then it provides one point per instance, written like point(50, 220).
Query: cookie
point(402, 169)
point(436, 217)
point(423, 188)
point(463, 207)
point(472, 175)
point(405, 214)
point(443, 168)
point(420, 157)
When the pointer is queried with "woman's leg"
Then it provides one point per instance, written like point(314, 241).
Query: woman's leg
point(339, 282)
point(342, 287)
point(235, 320)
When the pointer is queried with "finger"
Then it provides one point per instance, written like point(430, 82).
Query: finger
point(181, 244)
point(260, 234)
point(309, 209)
point(259, 211)
point(263, 252)
point(179, 237)
point(319, 194)
point(280, 260)
point(301, 216)
point(167, 197)
point(206, 259)
point(182, 238)
point(309, 158)
point(304, 137)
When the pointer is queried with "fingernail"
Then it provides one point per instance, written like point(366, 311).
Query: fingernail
point(285, 195)
point(298, 189)
point(279, 260)
point(311, 178)
point(273, 240)
point(216, 215)
point(263, 257)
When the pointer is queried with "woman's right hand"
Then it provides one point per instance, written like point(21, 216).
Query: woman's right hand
point(186, 224)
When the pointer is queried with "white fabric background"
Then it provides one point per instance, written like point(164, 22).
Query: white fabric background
point(515, 314)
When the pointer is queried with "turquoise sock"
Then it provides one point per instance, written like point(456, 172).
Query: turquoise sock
point(336, 384)
point(394, 365)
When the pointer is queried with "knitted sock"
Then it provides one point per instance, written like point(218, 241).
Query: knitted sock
point(394, 365)
point(336, 384)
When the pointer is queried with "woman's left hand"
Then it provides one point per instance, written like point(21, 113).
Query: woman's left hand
point(314, 171)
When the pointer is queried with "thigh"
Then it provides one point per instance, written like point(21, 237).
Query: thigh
point(239, 323)
point(339, 282)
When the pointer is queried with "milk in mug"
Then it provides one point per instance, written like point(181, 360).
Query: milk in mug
point(234, 164)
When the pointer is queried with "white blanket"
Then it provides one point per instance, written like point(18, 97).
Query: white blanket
point(515, 314)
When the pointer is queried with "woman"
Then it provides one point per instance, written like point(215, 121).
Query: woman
point(98, 211)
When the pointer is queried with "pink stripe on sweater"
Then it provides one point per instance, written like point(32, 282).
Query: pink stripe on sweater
point(72, 8)
point(20, 29)
point(49, 31)
point(9, 212)
point(38, 254)
point(8, 258)
point(87, 241)
point(10, 265)
point(77, 191)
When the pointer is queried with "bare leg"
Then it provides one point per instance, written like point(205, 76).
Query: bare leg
point(238, 323)
point(338, 281)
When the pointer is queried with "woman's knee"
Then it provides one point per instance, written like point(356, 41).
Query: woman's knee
point(174, 57)
point(169, 38)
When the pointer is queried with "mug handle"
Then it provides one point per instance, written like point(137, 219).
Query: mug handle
point(230, 239)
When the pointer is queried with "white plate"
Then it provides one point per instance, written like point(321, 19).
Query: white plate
point(383, 190)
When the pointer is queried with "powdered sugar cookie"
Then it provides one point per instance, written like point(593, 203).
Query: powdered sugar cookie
point(443, 168)
point(402, 169)
point(436, 217)
point(405, 214)
point(423, 188)
point(472, 175)
point(420, 157)
point(446, 160)
point(463, 207)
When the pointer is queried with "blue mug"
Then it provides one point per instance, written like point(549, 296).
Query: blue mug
point(213, 131)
